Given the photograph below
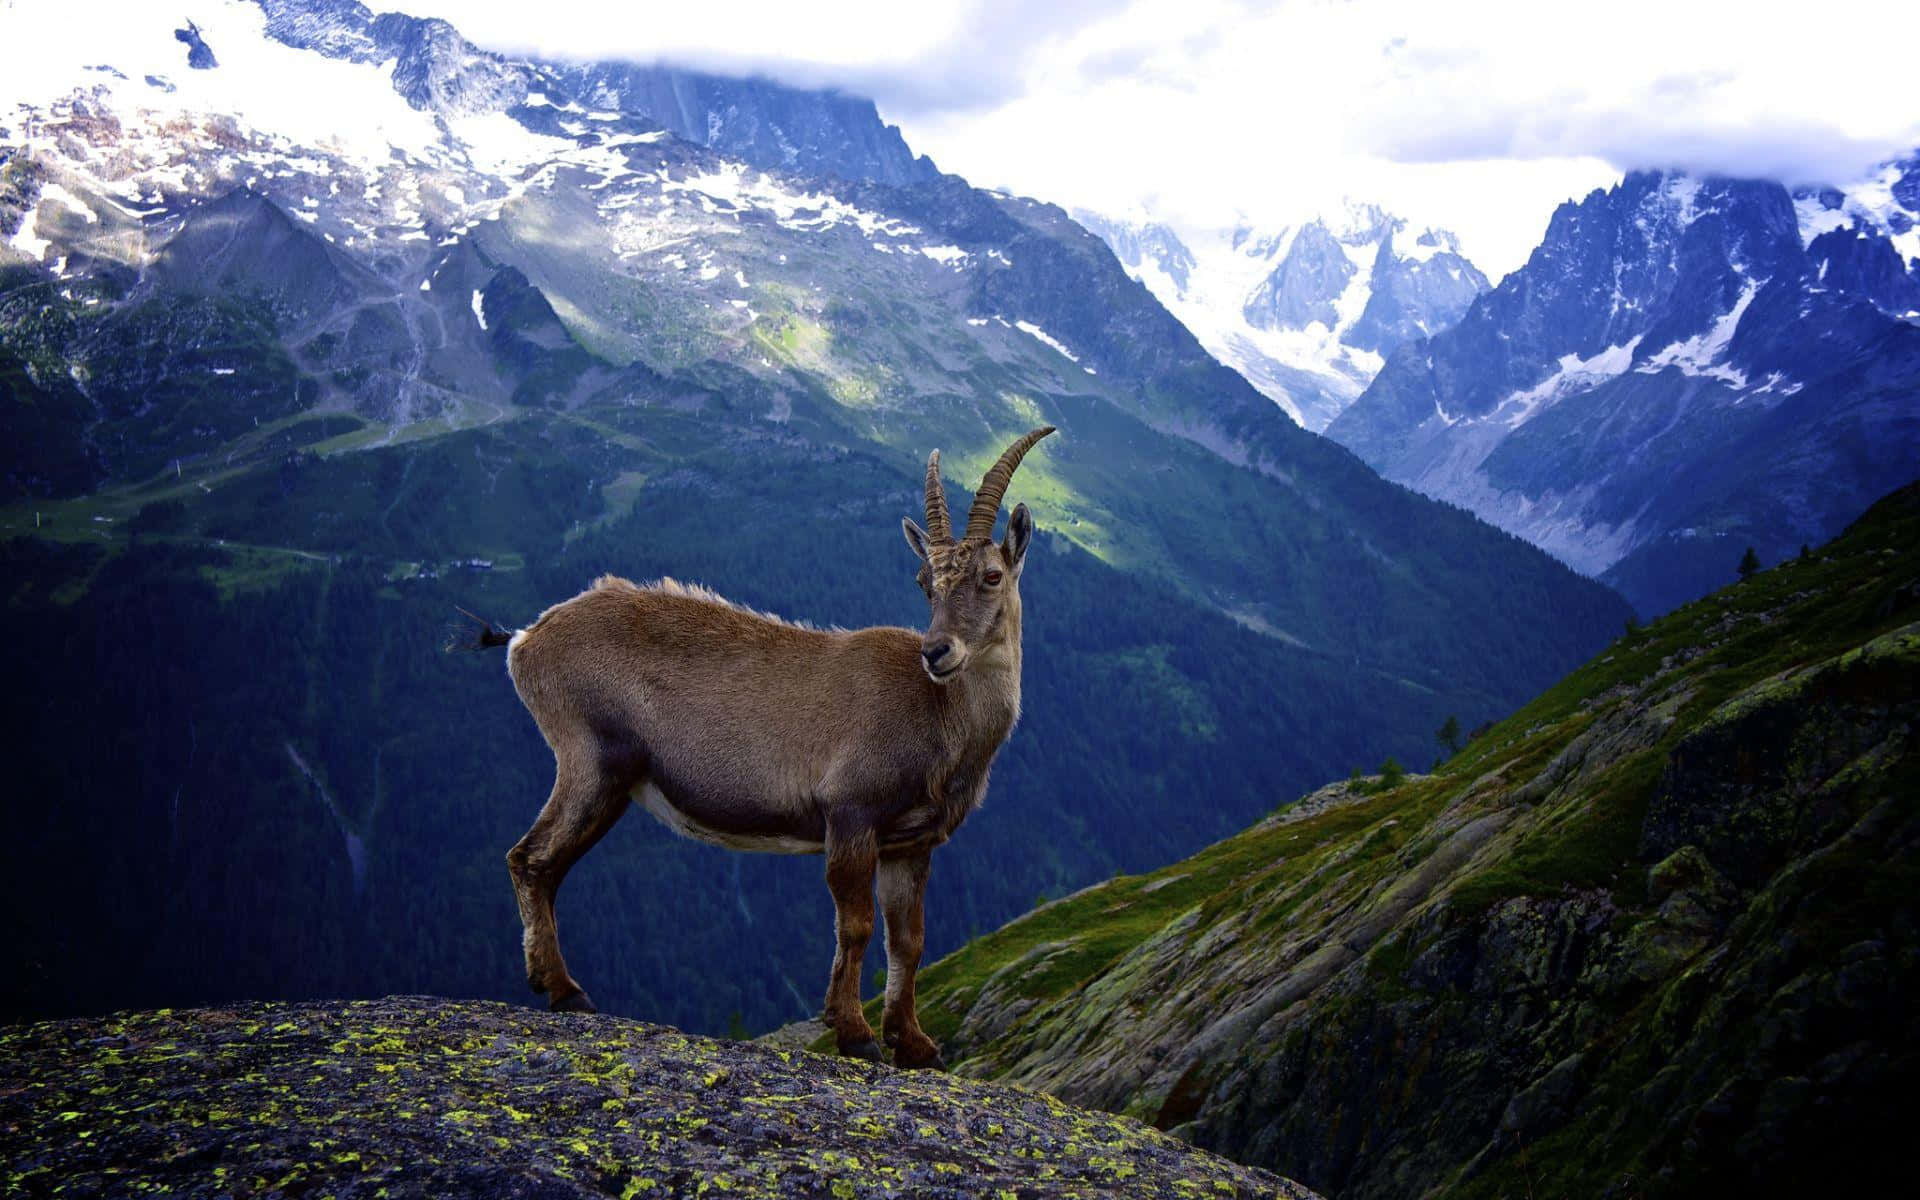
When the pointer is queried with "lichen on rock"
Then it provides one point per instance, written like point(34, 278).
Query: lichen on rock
point(416, 1096)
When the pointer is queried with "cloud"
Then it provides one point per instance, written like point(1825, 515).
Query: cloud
point(937, 55)
point(1478, 117)
point(1705, 87)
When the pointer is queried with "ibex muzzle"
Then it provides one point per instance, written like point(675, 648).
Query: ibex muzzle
point(740, 729)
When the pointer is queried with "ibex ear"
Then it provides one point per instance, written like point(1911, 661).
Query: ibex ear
point(1019, 536)
point(916, 537)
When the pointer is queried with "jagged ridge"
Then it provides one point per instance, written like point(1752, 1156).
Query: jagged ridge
point(1684, 367)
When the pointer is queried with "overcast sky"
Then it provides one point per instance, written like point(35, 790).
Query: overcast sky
point(1477, 117)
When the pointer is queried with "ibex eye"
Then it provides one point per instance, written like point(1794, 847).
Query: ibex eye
point(993, 578)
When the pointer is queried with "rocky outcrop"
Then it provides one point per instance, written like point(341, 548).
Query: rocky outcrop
point(434, 68)
point(414, 1096)
point(766, 123)
point(200, 56)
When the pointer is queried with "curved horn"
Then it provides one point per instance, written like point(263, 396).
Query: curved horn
point(986, 501)
point(939, 527)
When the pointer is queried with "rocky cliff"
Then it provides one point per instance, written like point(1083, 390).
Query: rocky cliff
point(1653, 934)
point(415, 1096)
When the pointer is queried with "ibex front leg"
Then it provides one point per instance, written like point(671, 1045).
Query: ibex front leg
point(851, 856)
point(584, 805)
point(903, 892)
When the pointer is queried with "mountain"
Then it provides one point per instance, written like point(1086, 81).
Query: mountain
point(757, 120)
point(1653, 934)
point(1305, 313)
point(420, 1097)
point(1683, 368)
point(286, 383)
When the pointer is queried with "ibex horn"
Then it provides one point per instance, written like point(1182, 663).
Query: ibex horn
point(939, 528)
point(986, 501)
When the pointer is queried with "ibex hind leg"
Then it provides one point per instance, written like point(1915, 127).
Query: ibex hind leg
point(585, 803)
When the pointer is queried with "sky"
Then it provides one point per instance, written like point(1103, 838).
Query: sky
point(1476, 117)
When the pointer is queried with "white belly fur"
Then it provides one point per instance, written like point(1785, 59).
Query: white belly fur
point(652, 799)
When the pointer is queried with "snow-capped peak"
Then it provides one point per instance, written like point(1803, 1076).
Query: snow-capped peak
point(1305, 310)
point(1885, 202)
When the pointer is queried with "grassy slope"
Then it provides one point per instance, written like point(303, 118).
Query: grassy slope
point(1145, 993)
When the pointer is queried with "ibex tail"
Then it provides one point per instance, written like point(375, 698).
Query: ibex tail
point(486, 638)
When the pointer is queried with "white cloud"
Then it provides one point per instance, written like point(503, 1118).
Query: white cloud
point(1480, 118)
point(1476, 117)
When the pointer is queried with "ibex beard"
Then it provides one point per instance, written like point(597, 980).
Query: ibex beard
point(746, 731)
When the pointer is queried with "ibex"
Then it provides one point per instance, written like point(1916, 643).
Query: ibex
point(748, 732)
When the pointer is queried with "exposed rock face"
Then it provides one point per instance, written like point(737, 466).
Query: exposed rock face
point(243, 245)
point(1657, 933)
point(434, 68)
point(200, 56)
point(1304, 287)
point(766, 123)
point(1417, 294)
point(413, 1096)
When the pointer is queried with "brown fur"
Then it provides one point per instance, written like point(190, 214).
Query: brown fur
point(750, 732)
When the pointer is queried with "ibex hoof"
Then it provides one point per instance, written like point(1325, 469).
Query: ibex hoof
point(931, 1062)
point(578, 1002)
point(869, 1050)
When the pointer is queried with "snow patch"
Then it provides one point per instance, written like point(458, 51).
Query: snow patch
point(479, 313)
point(1683, 194)
point(273, 84)
point(1870, 203)
point(1816, 218)
point(60, 195)
point(1028, 327)
point(1699, 355)
point(1575, 375)
point(741, 188)
point(27, 239)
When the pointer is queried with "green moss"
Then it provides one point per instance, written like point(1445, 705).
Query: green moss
point(1591, 840)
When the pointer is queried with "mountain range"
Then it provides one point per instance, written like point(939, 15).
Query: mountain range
point(287, 382)
point(1306, 312)
point(1684, 367)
